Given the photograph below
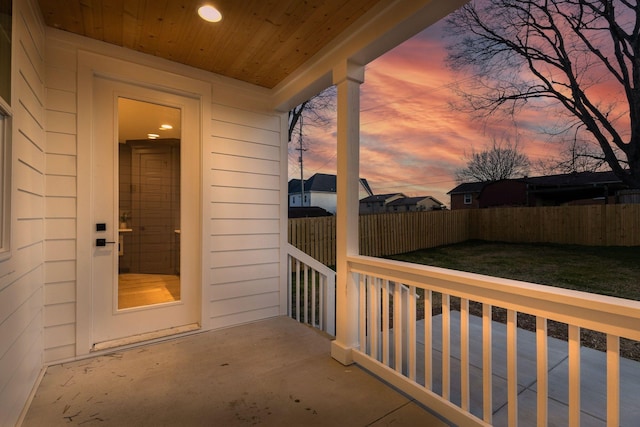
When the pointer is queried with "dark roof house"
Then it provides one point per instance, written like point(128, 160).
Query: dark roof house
point(319, 190)
point(319, 182)
point(548, 190)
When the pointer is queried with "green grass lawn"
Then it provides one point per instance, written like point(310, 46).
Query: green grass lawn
point(611, 271)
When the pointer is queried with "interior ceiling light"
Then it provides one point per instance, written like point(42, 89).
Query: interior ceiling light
point(153, 136)
point(209, 13)
point(166, 127)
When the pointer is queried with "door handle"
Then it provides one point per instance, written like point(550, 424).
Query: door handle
point(103, 242)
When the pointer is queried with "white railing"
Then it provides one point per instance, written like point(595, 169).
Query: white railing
point(312, 291)
point(459, 380)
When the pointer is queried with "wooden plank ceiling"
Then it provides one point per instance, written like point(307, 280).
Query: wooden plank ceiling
point(257, 41)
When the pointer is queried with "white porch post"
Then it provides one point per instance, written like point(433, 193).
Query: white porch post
point(347, 77)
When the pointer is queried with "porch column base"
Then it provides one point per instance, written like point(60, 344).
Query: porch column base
point(341, 353)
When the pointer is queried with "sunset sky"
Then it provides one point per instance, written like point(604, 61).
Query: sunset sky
point(412, 141)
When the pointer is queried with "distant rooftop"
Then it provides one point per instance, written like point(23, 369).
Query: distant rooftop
point(558, 180)
point(320, 182)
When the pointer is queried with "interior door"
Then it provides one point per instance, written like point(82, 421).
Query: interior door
point(152, 201)
point(111, 321)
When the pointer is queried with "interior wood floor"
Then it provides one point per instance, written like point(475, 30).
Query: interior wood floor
point(135, 290)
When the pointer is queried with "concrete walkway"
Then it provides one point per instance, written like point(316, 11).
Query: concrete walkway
point(278, 372)
point(593, 380)
point(271, 373)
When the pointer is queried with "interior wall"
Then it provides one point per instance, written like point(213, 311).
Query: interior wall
point(126, 261)
point(21, 273)
point(154, 204)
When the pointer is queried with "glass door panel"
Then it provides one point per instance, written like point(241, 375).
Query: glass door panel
point(149, 204)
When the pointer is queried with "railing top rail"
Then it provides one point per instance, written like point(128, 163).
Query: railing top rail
point(602, 313)
point(308, 260)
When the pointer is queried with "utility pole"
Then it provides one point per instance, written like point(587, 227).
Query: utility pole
point(301, 150)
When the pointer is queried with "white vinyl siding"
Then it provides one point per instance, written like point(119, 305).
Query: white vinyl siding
point(242, 169)
point(244, 215)
point(61, 203)
point(21, 270)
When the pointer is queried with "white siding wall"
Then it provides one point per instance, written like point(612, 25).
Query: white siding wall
point(21, 275)
point(244, 211)
point(242, 201)
point(324, 200)
point(60, 205)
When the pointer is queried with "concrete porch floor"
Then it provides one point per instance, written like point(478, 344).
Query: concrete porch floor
point(274, 372)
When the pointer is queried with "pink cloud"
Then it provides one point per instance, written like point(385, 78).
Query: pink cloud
point(412, 141)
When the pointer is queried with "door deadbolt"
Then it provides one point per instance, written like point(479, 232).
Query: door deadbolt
point(103, 242)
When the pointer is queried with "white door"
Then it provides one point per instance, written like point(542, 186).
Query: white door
point(117, 233)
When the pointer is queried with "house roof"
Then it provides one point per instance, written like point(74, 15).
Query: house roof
point(574, 179)
point(412, 201)
point(469, 187)
point(257, 41)
point(380, 197)
point(320, 182)
point(564, 180)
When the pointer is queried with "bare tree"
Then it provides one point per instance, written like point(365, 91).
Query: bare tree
point(315, 111)
point(502, 160)
point(578, 156)
point(557, 52)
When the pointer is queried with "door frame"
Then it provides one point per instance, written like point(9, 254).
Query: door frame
point(90, 66)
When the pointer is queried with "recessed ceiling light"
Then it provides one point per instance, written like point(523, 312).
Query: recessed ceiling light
point(165, 127)
point(209, 13)
point(153, 136)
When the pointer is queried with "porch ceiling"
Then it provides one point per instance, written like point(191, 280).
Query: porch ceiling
point(258, 41)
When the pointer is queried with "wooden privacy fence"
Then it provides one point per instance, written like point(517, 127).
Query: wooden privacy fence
point(592, 225)
point(394, 233)
point(381, 234)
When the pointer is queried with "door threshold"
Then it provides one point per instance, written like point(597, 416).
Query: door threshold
point(149, 336)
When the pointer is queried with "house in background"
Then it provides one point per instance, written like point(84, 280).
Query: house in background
point(551, 190)
point(319, 191)
point(377, 203)
point(71, 64)
point(584, 188)
point(465, 195)
point(415, 204)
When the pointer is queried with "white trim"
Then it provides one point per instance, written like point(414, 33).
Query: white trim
point(148, 336)
point(284, 215)
point(6, 142)
point(91, 65)
point(6, 166)
point(347, 77)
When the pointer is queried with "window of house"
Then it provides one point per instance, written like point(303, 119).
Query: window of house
point(5, 121)
point(467, 199)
